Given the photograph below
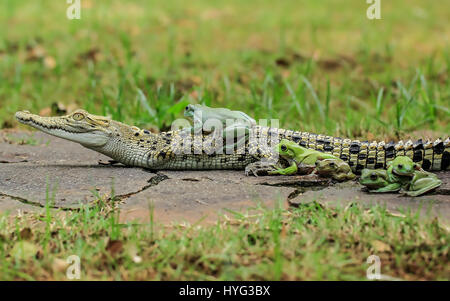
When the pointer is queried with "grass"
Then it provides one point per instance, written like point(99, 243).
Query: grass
point(318, 66)
point(315, 67)
point(306, 243)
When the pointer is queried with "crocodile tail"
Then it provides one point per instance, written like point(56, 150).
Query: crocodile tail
point(431, 155)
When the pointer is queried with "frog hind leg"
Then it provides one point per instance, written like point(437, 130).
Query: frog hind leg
point(424, 190)
point(344, 176)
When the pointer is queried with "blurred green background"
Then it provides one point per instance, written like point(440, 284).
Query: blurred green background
point(319, 66)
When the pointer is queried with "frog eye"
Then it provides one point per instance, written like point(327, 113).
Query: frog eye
point(373, 176)
point(78, 116)
point(283, 148)
point(399, 166)
point(331, 164)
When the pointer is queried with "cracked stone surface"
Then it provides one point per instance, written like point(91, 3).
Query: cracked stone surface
point(8, 204)
point(62, 172)
point(192, 196)
point(32, 161)
point(343, 194)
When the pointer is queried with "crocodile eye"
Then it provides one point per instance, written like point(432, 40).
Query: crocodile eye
point(373, 177)
point(78, 116)
point(283, 148)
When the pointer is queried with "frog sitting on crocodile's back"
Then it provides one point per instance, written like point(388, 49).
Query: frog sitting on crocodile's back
point(231, 123)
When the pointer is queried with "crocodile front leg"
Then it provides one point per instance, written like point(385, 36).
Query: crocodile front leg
point(261, 168)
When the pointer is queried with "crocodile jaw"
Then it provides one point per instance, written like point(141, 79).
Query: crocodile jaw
point(59, 127)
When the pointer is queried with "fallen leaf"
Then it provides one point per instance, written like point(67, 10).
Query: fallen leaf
point(7, 124)
point(24, 250)
point(299, 57)
point(285, 73)
point(380, 246)
point(396, 214)
point(132, 251)
point(92, 54)
point(49, 62)
point(197, 80)
point(86, 4)
point(35, 53)
point(58, 108)
point(114, 247)
point(59, 265)
point(282, 62)
point(71, 107)
point(329, 64)
point(194, 94)
point(26, 233)
point(45, 112)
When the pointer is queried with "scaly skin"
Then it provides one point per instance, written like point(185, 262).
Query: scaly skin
point(402, 173)
point(135, 147)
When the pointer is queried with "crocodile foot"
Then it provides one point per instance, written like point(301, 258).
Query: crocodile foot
point(260, 169)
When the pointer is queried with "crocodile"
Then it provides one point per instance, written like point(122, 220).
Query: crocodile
point(173, 150)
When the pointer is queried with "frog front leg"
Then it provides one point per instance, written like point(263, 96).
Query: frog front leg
point(394, 187)
point(290, 170)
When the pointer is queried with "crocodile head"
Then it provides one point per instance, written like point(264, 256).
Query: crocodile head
point(79, 126)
